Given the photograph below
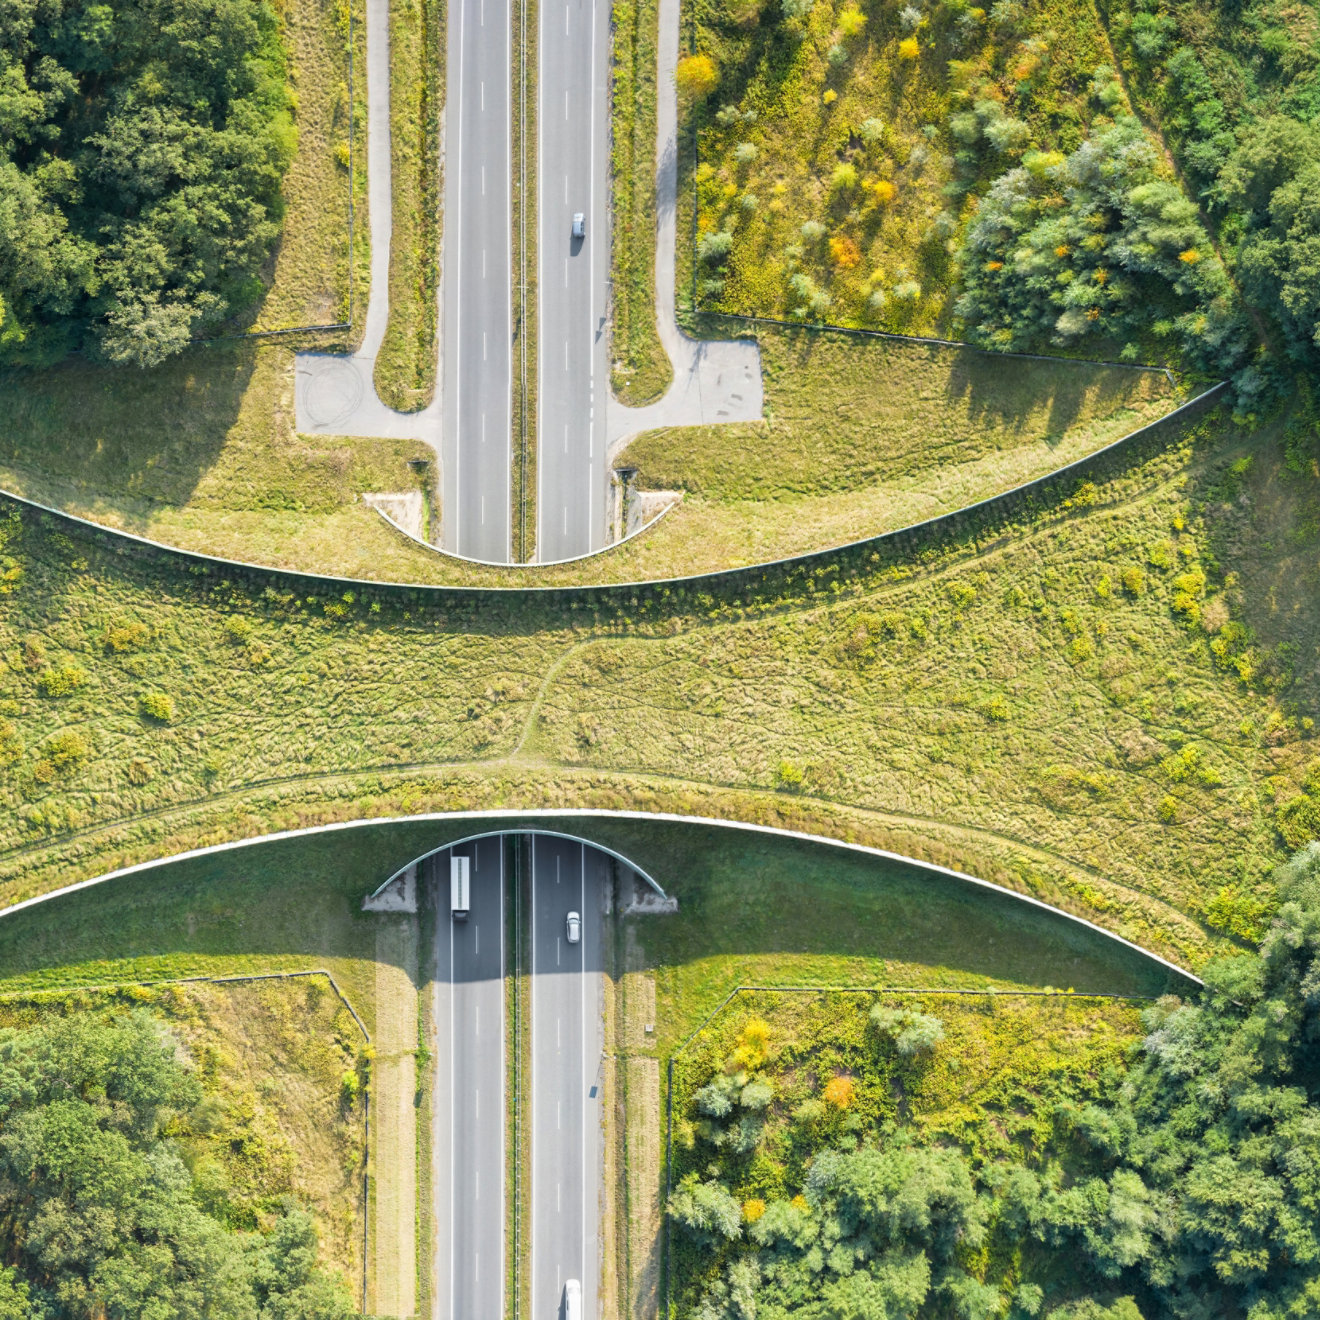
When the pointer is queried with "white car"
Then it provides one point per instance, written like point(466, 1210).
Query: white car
point(579, 225)
point(574, 927)
point(573, 1294)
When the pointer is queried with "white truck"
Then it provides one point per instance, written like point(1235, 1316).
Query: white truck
point(572, 1300)
point(459, 868)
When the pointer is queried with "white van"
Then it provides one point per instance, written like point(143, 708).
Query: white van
point(458, 887)
point(572, 1300)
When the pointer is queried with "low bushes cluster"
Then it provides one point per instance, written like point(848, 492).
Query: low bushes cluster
point(839, 144)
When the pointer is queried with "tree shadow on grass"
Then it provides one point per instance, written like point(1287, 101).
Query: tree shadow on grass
point(122, 436)
point(1263, 526)
point(294, 903)
point(1005, 391)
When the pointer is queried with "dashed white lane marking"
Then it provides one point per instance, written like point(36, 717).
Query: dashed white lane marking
point(483, 510)
point(483, 345)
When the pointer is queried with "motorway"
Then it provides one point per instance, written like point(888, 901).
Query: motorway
point(567, 1050)
point(572, 287)
point(477, 329)
point(468, 1136)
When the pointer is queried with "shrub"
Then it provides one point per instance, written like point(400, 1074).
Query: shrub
point(839, 1091)
point(883, 191)
point(706, 1210)
point(753, 1209)
point(157, 706)
point(238, 629)
point(872, 131)
point(1133, 580)
point(812, 231)
point(696, 77)
point(844, 178)
point(909, 48)
point(127, 637)
point(844, 252)
point(61, 680)
point(66, 750)
point(752, 1046)
point(744, 153)
point(715, 246)
point(851, 20)
point(913, 1032)
point(789, 778)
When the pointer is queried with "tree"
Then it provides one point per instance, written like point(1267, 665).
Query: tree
point(142, 148)
point(100, 1212)
point(1273, 176)
point(707, 1210)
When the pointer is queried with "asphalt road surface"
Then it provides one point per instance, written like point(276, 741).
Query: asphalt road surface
point(573, 367)
point(468, 1133)
point(477, 335)
point(567, 1047)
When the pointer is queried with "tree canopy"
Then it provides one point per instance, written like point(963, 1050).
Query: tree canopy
point(142, 148)
point(97, 1206)
point(1097, 244)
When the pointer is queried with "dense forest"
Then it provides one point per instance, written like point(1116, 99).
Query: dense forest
point(98, 1210)
point(142, 148)
point(1185, 1186)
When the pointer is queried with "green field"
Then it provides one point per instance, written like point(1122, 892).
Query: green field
point(1088, 702)
point(860, 437)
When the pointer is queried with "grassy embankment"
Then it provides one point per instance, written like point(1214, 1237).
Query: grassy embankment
point(859, 438)
point(277, 1118)
point(202, 450)
point(641, 371)
point(839, 121)
point(862, 437)
point(1108, 703)
point(406, 364)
